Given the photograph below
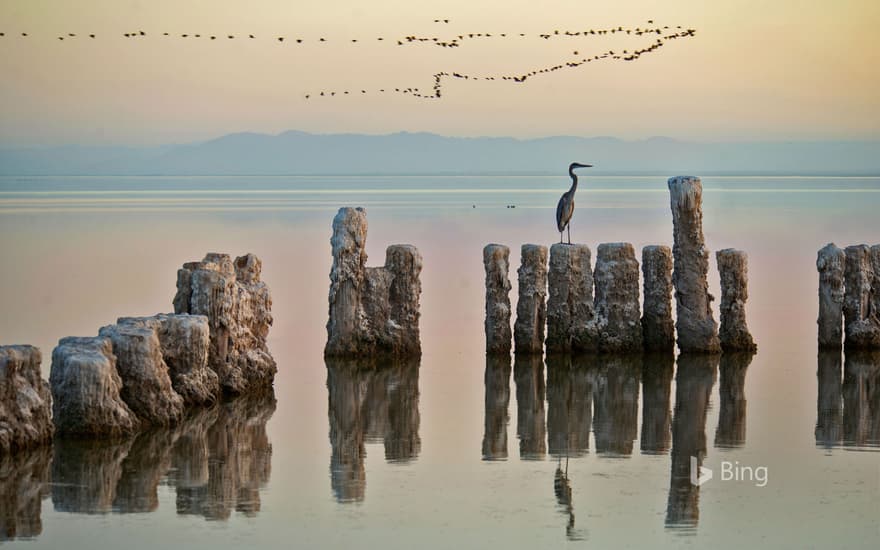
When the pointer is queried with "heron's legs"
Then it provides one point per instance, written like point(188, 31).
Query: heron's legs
point(568, 228)
point(560, 237)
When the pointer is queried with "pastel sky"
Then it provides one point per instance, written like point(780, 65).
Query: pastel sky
point(774, 70)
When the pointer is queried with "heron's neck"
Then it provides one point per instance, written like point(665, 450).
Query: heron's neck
point(574, 182)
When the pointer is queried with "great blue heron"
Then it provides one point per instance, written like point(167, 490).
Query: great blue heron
point(565, 208)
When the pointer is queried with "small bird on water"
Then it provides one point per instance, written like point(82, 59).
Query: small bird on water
point(565, 208)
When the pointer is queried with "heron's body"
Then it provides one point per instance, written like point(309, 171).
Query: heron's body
point(565, 207)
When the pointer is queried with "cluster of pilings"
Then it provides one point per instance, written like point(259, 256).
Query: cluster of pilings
point(145, 372)
point(374, 311)
point(597, 310)
point(849, 296)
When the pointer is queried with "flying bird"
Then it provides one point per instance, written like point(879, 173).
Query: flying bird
point(565, 208)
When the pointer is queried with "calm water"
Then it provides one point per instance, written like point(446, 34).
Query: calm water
point(452, 450)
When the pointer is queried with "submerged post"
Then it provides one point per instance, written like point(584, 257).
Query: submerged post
point(697, 330)
point(734, 270)
point(531, 310)
point(830, 264)
point(658, 330)
point(618, 322)
point(496, 261)
point(570, 301)
point(862, 324)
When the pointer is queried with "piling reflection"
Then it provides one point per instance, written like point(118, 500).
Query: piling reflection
point(497, 402)
point(217, 460)
point(528, 373)
point(239, 459)
point(616, 404)
point(731, 430)
point(85, 474)
point(657, 370)
point(829, 403)
point(569, 404)
point(370, 401)
point(693, 387)
point(861, 398)
point(24, 483)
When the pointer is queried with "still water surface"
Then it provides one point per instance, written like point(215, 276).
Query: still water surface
point(453, 450)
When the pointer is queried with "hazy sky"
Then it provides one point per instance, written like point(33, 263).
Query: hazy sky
point(782, 69)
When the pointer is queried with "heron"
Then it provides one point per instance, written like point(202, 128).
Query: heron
point(565, 208)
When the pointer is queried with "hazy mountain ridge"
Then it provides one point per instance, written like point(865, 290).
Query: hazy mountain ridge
point(295, 152)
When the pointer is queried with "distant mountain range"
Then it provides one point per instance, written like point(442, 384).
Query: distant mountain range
point(297, 153)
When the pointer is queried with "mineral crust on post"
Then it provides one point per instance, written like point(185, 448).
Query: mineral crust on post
point(697, 330)
point(531, 309)
point(238, 306)
point(862, 324)
point(146, 386)
point(830, 263)
point(570, 326)
point(86, 388)
point(185, 341)
point(618, 319)
point(25, 400)
point(373, 310)
point(496, 262)
point(734, 271)
point(658, 329)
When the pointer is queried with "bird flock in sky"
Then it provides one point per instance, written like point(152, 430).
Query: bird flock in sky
point(658, 34)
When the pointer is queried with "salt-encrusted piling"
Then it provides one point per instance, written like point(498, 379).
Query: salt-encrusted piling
point(875, 282)
point(697, 330)
point(531, 310)
point(373, 310)
point(862, 325)
point(347, 279)
point(570, 324)
point(238, 306)
point(25, 400)
point(618, 321)
point(734, 270)
point(185, 343)
point(496, 261)
point(146, 386)
point(86, 390)
point(658, 330)
point(830, 264)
